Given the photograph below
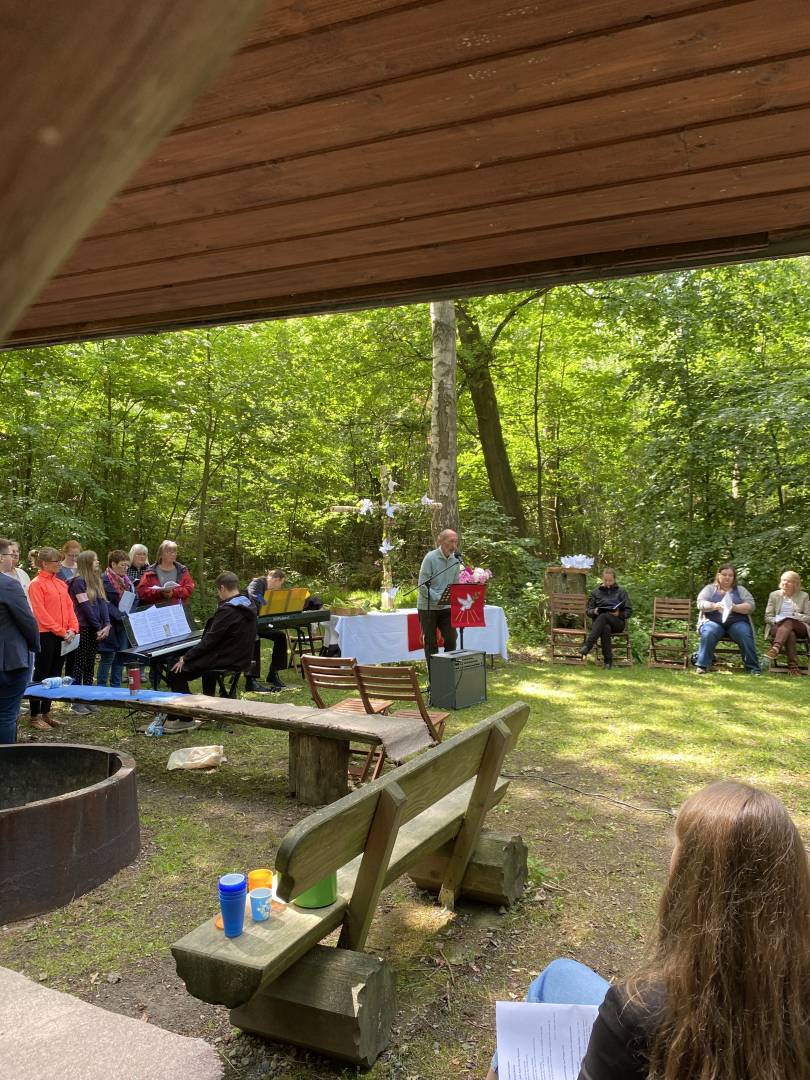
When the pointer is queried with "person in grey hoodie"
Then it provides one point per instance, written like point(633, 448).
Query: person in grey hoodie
point(724, 610)
point(227, 640)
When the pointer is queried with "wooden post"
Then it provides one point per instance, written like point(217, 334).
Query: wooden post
point(371, 875)
point(321, 769)
point(488, 773)
point(496, 873)
point(93, 88)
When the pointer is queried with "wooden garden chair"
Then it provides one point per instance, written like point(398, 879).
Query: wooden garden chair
point(566, 641)
point(669, 640)
point(340, 673)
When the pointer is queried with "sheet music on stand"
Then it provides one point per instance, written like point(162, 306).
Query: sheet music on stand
point(157, 624)
point(444, 599)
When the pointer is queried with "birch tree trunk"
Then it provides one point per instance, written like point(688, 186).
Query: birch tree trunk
point(443, 432)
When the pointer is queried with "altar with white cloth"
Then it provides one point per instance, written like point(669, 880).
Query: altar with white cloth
point(381, 637)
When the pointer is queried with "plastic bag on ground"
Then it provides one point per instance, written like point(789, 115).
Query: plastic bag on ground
point(197, 757)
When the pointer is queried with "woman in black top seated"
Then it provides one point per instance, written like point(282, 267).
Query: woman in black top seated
point(725, 994)
point(609, 607)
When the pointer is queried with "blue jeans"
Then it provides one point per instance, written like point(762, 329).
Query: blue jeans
point(110, 669)
point(12, 686)
point(739, 632)
point(565, 982)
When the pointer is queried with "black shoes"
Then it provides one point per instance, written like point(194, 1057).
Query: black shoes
point(256, 687)
point(608, 664)
point(583, 650)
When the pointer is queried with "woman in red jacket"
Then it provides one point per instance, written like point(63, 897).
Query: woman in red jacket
point(57, 622)
point(166, 581)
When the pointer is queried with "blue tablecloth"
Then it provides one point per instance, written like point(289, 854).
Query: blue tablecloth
point(98, 693)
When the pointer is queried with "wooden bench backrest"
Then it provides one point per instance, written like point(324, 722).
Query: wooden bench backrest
point(336, 834)
point(399, 683)
point(671, 609)
point(332, 673)
point(567, 604)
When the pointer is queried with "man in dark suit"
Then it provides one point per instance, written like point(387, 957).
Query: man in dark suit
point(19, 637)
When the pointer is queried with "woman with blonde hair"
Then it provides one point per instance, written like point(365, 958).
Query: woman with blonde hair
point(89, 599)
point(725, 992)
point(138, 562)
point(166, 581)
point(787, 615)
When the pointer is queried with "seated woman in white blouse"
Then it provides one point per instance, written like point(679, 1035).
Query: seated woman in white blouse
point(787, 615)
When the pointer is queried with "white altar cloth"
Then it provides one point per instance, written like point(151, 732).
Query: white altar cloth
point(381, 637)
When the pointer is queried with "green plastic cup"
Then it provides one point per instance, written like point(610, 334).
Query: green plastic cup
point(321, 895)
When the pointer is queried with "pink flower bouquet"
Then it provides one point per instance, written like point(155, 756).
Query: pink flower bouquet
point(478, 576)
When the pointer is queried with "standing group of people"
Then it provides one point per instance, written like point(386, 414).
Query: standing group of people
point(71, 597)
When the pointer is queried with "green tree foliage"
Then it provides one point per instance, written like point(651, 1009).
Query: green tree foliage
point(657, 423)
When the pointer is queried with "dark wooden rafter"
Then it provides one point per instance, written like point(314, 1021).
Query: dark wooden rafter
point(360, 152)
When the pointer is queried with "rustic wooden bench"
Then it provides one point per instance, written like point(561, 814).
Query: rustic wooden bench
point(423, 819)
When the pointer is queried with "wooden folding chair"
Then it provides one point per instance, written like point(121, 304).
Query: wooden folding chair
point(779, 665)
point(401, 684)
point(669, 640)
point(340, 673)
point(566, 641)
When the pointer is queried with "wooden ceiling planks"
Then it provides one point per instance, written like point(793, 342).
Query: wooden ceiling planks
point(386, 151)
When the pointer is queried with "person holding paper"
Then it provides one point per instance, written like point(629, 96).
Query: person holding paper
point(724, 991)
point(609, 607)
point(57, 622)
point(120, 595)
point(88, 596)
point(227, 640)
point(166, 581)
point(724, 610)
point(787, 615)
point(19, 640)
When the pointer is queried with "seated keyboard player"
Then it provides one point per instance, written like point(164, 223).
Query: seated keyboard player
point(227, 642)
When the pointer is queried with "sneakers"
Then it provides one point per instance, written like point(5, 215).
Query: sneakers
point(176, 725)
point(38, 723)
point(700, 670)
point(78, 708)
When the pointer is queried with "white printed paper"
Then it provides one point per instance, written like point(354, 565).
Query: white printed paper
point(727, 603)
point(69, 646)
point(156, 624)
point(126, 601)
point(542, 1042)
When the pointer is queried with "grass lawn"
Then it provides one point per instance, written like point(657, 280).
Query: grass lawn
point(642, 738)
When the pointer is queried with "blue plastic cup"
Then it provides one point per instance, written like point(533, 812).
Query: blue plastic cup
point(232, 897)
point(260, 901)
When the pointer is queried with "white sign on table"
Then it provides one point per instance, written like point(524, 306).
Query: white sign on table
point(542, 1041)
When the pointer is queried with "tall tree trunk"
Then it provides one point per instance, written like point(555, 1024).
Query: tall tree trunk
point(538, 447)
point(476, 361)
point(443, 429)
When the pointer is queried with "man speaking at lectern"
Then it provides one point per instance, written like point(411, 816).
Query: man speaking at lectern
point(439, 569)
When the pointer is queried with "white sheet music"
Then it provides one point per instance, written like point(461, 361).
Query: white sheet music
point(542, 1042)
point(126, 602)
point(156, 624)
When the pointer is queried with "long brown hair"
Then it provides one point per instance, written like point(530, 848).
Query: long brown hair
point(733, 943)
point(92, 579)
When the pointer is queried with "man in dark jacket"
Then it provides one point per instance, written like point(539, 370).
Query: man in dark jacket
point(227, 640)
point(19, 638)
point(609, 607)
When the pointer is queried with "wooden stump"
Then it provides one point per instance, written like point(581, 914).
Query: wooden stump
point(332, 1001)
point(496, 874)
point(319, 769)
point(561, 579)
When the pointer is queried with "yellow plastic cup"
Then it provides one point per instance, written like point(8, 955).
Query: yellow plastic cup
point(260, 879)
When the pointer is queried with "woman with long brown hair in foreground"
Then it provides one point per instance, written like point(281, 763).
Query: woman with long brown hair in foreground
point(725, 993)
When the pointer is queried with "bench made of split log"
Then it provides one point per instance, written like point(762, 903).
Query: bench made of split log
point(424, 819)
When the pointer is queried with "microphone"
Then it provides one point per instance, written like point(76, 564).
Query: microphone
point(458, 556)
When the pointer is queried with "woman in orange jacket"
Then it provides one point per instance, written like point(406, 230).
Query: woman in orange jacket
point(57, 622)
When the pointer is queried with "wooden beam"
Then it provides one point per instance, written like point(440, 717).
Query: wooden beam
point(91, 89)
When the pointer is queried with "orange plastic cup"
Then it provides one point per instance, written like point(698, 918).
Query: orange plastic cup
point(260, 879)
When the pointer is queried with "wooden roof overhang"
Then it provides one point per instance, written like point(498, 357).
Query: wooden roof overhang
point(364, 152)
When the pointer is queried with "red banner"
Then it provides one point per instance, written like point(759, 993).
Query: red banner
point(467, 605)
point(416, 639)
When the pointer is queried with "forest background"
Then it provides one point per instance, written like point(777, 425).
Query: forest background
point(659, 424)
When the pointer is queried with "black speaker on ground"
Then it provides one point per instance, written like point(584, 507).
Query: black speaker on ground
point(458, 679)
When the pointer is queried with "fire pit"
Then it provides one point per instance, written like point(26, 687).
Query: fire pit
point(68, 821)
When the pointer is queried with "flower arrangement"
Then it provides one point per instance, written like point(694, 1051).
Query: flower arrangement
point(477, 576)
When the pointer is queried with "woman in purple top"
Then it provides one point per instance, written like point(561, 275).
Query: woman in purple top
point(87, 592)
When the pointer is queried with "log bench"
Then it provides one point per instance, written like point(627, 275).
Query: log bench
point(424, 819)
